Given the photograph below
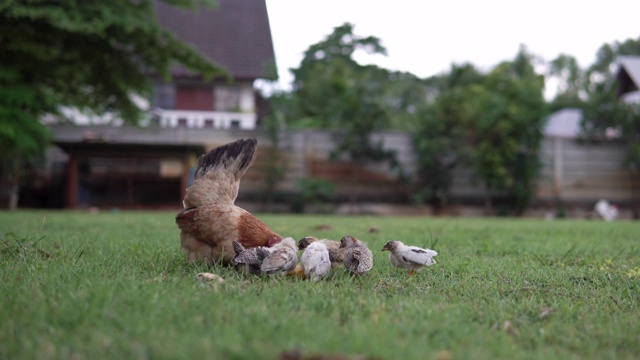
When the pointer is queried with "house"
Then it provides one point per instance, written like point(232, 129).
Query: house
point(628, 78)
point(564, 123)
point(236, 35)
point(150, 166)
point(575, 171)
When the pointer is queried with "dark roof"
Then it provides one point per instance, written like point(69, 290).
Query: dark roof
point(628, 74)
point(233, 33)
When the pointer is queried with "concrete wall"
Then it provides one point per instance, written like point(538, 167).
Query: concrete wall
point(571, 171)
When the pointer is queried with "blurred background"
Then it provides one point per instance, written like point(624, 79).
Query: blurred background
point(463, 109)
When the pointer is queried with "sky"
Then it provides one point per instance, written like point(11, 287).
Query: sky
point(425, 37)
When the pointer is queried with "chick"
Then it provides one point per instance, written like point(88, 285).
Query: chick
point(335, 256)
point(409, 257)
point(247, 260)
point(356, 256)
point(315, 261)
point(280, 258)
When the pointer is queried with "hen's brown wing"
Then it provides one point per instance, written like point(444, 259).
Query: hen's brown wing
point(219, 226)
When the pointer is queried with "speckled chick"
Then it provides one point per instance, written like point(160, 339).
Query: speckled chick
point(356, 256)
point(315, 261)
point(281, 258)
point(247, 260)
point(335, 256)
point(409, 257)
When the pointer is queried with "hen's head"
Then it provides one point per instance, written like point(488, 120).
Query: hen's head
point(273, 240)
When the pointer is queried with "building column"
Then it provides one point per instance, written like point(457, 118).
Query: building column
point(72, 181)
point(184, 180)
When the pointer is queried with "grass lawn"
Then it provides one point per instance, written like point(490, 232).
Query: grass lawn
point(75, 285)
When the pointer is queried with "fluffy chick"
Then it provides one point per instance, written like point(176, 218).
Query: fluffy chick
point(335, 256)
point(315, 261)
point(409, 257)
point(356, 256)
point(279, 259)
point(247, 260)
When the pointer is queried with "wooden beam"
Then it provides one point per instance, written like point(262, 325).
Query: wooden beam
point(184, 181)
point(72, 182)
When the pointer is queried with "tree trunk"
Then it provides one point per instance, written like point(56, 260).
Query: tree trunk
point(14, 184)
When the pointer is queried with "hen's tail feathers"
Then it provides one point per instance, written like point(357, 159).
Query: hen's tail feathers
point(236, 157)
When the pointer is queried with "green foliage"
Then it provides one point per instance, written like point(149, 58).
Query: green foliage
point(572, 83)
point(92, 54)
point(604, 111)
point(331, 90)
point(441, 134)
point(313, 192)
point(492, 123)
point(20, 135)
point(107, 285)
point(507, 131)
point(83, 54)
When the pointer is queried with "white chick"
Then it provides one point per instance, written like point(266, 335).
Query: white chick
point(280, 258)
point(332, 246)
point(315, 261)
point(356, 256)
point(247, 260)
point(409, 257)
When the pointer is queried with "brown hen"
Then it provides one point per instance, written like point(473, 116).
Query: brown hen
point(210, 221)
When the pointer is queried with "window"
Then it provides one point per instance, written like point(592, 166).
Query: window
point(164, 96)
point(227, 98)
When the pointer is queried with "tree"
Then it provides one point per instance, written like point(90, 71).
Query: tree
point(571, 79)
point(507, 132)
point(492, 123)
point(83, 54)
point(605, 112)
point(440, 136)
point(332, 91)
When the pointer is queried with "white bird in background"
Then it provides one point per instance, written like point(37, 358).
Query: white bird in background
point(605, 210)
point(315, 261)
point(356, 256)
point(280, 258)
point(409, 257)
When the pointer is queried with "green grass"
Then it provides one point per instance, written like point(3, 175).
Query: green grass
point(116, 285)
